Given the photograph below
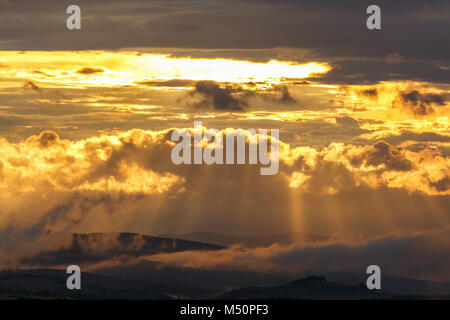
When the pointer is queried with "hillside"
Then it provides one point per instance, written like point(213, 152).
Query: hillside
point(51, 284)
point(314, 288)
point(96, 247)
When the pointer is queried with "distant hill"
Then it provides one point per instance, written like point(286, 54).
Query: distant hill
point(397, 284)
point(151, 281)
point(314, 288)
point(51, 284)
point(96, 247)
point(252, 241)
point(190, 282)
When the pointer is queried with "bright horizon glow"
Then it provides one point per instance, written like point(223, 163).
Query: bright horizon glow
point(127, 68)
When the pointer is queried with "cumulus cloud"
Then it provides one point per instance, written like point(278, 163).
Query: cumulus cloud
point(127, 182)
point(381, 153)
point(441, 184)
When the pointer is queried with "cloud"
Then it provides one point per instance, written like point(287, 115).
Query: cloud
point(168, 83)
point(418, 103)
point(381, 153)
point(206, 24)
point(235, 96)
point(89, 70)
point(220, 98)
point(396, 254)
point(47, 138)
point(32, 85)
point(127, 182)
point(283, 95)
point(354, 71)
point(441, 184)
point(394, 57)
point(371, 92)
point(347, 121)
point(53, 95)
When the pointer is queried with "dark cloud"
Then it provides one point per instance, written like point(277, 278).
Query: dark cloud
point(220, 98)
point(50, 95)
point(47, 138)
point(420, 104)
point(396, 254)
point(373, 71)
point(415, 141)
point(168, 83)
point(98, 247)
point(413, 29)
point(442, 184)
point(383, 153)
point(235, 97)
point(347, 121)
point(283, 95)
point(371, 93)
point(89, 70)
point(32, 85)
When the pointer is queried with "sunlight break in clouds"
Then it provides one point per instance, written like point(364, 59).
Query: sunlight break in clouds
point(94, 68)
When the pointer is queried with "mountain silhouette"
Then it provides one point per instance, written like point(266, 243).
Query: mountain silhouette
point(96, 247)
point(314, 288)
point(51, 284)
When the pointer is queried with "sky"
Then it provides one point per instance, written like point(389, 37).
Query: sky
point(86, 118)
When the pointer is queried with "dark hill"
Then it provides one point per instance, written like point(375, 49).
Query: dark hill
point(96, 247)
point(314, 288)
point(51, 284)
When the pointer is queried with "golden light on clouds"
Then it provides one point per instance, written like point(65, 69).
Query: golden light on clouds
point(92, 68)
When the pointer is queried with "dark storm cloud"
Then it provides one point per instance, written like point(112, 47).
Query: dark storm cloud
point(371, 71)
point(413, 42)
point(413, 29)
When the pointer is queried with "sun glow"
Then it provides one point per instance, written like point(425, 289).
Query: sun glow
point(91, 68)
